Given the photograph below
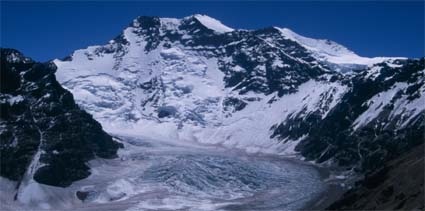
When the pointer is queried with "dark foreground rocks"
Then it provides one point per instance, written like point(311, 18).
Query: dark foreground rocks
point(398, 185)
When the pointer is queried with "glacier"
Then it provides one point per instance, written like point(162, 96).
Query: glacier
point(168, 175)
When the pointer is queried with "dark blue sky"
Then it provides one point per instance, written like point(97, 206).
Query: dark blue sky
point(47, 30)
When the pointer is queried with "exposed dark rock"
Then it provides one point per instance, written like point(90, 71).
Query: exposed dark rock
point(233, 104)
point(399, 185)
point(38, 115)
point(82, 195)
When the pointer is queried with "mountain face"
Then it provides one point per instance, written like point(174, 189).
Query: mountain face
point(44, 135)
point(269, 90)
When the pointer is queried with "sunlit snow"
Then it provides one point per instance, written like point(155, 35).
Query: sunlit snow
point(213, 24)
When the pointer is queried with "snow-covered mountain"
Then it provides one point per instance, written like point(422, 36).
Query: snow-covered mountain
point(266, 90)
point(187, 97)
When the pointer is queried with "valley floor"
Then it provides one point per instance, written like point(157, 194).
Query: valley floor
point(163, 175)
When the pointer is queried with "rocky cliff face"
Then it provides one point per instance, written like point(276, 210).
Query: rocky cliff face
point(44, 135)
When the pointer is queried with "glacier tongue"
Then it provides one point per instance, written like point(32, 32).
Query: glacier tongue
point(155, 175)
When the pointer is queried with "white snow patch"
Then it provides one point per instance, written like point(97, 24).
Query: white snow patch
point(213, 24)
point(12, 100)
point(278, 63)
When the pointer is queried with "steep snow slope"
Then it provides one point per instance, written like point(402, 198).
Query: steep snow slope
point(184, 98)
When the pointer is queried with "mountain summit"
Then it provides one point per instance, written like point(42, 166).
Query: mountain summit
point(212, 23)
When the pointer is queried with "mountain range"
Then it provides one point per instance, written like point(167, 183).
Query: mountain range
point(195, 80)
